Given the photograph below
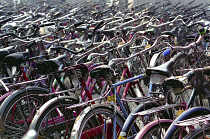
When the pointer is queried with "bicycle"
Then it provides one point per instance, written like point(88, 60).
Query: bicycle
point(167, 126)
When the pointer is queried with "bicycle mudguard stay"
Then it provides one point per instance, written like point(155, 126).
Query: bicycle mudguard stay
point(196, 111)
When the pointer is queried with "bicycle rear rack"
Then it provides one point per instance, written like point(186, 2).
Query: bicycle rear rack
point(193, 121)
point(6, 86)
point(142, 99)
point(157, 109)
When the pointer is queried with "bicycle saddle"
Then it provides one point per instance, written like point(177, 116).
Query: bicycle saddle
point(110, 31)
point(83, 28)
point(103, 71)
point(146, 32)
point(171, 33)
point(6, 51)
point(23, 28)
point(12, 25)
point(16, 59)
point(51, 65)
point(164, 69)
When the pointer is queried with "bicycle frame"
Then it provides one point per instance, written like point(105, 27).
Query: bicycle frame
point(116, 92)
point(119, 101)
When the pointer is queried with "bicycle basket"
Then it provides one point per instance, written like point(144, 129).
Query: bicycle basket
point(46, 67)
point(79, 70)
point(177, 84)
point(101, 72)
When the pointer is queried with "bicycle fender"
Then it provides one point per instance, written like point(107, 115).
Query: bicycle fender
point(178, 56)
point(149, 125)
point(50, 102)
point(196, 111)
point(129, 121)
point(87, 110)
point(154, 59)
point(38, 90)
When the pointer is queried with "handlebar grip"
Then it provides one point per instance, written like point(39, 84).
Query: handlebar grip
point(78, 24)
point(98, 26)
point(166, 52)
point(47, 24)
point(202, 31)
point(206, 70)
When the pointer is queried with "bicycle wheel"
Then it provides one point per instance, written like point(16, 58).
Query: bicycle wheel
point(199, 133)
point(18, 110)
point(52, 119)
point(97, 122)
point(136, 67)
point(173, 130)
point(186, 97)
point(137, 121)
point(181, 62)
point(154, 129)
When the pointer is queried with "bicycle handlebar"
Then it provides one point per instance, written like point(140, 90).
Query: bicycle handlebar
point(190, 45)
point(191, 73)
point(157, 26)
point(112, 62)
point(66, 49)
point(47, 24)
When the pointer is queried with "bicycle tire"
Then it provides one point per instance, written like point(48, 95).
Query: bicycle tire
point(152, 128)
point(181, 61)
point(131, 119)
point(84, 120)
point(47, 110)
point(136, 67)
point(198, 132)
point(7, 107)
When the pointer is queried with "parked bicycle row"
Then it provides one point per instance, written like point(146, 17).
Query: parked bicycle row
point(94, 70)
